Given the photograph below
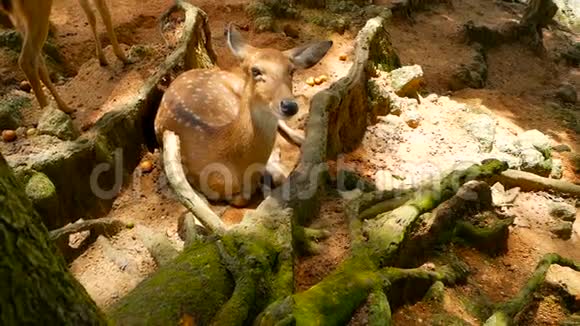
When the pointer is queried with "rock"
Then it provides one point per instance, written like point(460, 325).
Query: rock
point(514, 162)
point(482, 128)
point(407, 80)
point(506, 146)
point(9, 135)
point(561, 148)
point(574, 158)
point(472, 75)
point(25, 86)
point(557, 169)
point(502, 197)
point(568, 14)
point(563, 211)
point(567, 93)
point(56, 123)
point(11, 111)
point(412, 118)
point(562, 229)
point(42, 193)
point(534, 139)
point(531, 159)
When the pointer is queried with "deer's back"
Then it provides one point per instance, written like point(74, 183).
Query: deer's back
point(201, 107)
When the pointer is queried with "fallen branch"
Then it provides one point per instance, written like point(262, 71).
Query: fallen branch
point(185, 193)
point(504, 315)
point(107, 226)
point(532, 182)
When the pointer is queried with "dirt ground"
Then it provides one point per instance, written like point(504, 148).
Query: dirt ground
point(516, 95)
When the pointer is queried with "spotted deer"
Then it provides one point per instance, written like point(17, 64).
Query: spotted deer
point(31, 19)
point(227, 122)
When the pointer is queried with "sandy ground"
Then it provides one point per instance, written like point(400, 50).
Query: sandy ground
point(516, 94)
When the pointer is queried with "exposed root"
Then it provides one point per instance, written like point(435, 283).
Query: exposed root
point(188, 230)
point(306, 239)
point(505, 314)
point(538, 14)
point(379, 309)
point(382, 207)
point(532, 182)
point(492, 240)
point(348, 180)
point(120, 258)
point(157, 244)
point(106, 226)
point(186, 194)
point(294, 137)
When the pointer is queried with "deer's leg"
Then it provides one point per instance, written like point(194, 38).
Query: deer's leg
point(106, 16)
point(93, 22)
point(46, 80)
point(274, 169)
point(30, 53)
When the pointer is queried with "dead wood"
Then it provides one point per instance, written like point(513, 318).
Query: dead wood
point(105, 226)
point(157, 244)
point(532, 182)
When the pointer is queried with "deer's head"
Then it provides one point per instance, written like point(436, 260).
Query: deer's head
point(268, 72)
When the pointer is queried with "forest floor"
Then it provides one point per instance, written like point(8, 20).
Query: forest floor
point(517, 96)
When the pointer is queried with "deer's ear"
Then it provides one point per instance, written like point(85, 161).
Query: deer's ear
point(308, 55)
point(236, 42)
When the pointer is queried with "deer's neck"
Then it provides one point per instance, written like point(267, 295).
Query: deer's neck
point(260, 124)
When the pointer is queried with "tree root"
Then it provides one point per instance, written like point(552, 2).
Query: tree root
point(306, 239)
point(505, 314)
point(532, 182)
point(538, 14)
point(185, 193)
point(157, 244)
point(120, 258)
point(379, 309)
point(492, 240)
point(188, 230)
point(107, 226)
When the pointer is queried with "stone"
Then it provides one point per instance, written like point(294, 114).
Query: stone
point(568, 14)
point(534, 139)
point(514, 162)
point(412, 118)
point(506, 146)
point(56, 123)
point(482, 128)
point(562, 229)
point(562, 211)
point(531, 159)
point(561, 148)
point(11, 111)
point(407, 80)
point(472, 75)
point(502, 197)
point(557, 169)
point(42, 193)
point(567, 93)
point(574, 159)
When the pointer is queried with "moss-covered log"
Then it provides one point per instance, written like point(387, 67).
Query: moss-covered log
point(37, 286)
point(506, 312)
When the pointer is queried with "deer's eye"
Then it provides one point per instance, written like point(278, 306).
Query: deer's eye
point(256, 72)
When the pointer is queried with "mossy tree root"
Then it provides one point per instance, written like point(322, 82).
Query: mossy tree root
point(491, 239)
point(506, 312)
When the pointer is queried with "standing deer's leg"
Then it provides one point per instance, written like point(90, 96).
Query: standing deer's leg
point(274, 168)
point(93, 22)
point(46, 80)
point(106, 16)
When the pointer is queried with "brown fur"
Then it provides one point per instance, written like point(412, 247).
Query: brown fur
point(227, 122)
point(31, 19)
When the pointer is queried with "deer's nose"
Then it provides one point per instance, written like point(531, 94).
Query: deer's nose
point(289, 107)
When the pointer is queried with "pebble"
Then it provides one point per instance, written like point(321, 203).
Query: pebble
point(8, 135)
point(343, 57)
point(25, 86)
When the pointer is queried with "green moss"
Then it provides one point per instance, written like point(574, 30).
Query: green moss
point(196, 282)
point(379, 309)
point(478, 305)
point(332, 301)
point(447, 319)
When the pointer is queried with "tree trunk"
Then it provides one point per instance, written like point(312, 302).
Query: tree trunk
point(37, 286)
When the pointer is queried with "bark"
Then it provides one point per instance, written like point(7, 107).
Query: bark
point(37, 285)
